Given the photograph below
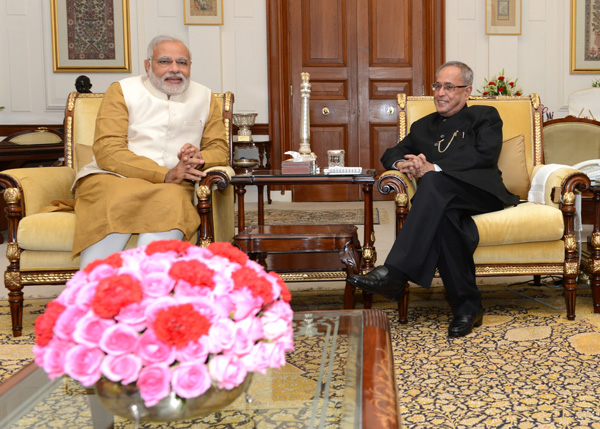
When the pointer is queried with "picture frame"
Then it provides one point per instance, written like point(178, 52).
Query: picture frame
point(585, 37)
point(76, 49)
point(503, 17)
point(203, 12)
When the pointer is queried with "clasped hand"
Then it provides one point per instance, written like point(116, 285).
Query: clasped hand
point(188, 167)
point(415, 166)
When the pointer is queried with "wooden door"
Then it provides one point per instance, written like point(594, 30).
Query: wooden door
point(360, 54)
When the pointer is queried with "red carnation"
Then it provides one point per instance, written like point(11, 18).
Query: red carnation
point(259, 286)
point(491, 83)
point(501, 89)
point(485, 93)
point(113, 260)
point(228, 251)
point(164, 246)
point(194, 272)
point(285, 292)
point(500, 77)
point(511, 84)
point(44, 324)
point(517, 93)
point(180, 324)
point(114, 293)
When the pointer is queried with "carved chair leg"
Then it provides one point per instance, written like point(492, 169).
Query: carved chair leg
point(403, 307)
point(570, 289)
point(12, 281)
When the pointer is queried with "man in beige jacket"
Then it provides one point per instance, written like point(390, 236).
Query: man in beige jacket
point(155, 135)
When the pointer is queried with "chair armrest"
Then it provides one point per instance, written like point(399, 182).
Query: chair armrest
point(221, 227)
point(395, 181)
point(560, 182)
point(39, 186)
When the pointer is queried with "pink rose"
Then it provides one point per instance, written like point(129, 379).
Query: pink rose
point(151, 350)
point(277, 320)
point(66, 322)
point(134, 315)
point(85, 295)
point(119, 339)
point(52, 357)
point(227, 371)
point(194, 350)
point(276, 353)
point(221, 335)
point(158, 284)
point(191, 379)
point(253, 328)
point(243, 343)
point(89, 329)
point(258, 359)
point(154, 383)
point(245, 304)
point(83, 364)
point(123, 368)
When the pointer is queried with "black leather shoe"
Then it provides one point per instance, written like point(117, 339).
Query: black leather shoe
point(380, 282)
point(463, 325)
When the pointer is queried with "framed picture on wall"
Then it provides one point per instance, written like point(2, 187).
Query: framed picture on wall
point(585, 37)
point(90, 36)
point(203, 12)
point(503, 17)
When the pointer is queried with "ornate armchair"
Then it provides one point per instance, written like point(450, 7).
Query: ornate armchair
point(571, 140)
point(531, 238)
point(39, 245)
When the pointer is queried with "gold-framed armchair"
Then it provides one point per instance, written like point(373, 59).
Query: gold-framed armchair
point(39, 247)
point(528, 239)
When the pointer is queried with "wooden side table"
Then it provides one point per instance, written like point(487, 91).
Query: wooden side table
point(306, 241)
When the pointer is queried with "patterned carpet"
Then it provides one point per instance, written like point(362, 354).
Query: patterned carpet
point(526, 367)
point(315, 217)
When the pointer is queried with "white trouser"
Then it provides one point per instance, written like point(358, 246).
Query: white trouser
point(116, 242)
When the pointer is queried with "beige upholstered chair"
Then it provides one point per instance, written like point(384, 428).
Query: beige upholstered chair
point(571, 140)
point(536, 239)
point(40, 244)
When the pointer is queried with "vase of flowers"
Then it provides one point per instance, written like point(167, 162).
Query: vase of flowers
point(500, 85)
point(167, 331)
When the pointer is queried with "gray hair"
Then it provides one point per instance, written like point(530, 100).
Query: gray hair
point(465, 71)
point(157, 40)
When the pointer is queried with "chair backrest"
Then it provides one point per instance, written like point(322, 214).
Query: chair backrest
point(39, 136)
point(80, 124)
point(520, 116)
point(571, 140)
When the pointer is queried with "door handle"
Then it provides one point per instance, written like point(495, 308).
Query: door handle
point(325, 111)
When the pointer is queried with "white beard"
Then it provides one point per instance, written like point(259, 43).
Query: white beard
point(161, 85)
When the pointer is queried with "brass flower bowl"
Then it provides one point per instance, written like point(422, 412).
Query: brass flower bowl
point(126, 401)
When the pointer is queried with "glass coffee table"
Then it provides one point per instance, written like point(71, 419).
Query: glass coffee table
point(341, 374)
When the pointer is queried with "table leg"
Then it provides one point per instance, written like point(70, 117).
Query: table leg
point(240, 190)
point(369, 255)
point(261, 204)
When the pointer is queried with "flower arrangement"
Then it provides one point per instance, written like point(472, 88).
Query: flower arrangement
point(167, 316)
point(501, 85)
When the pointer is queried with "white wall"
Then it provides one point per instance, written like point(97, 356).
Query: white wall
point(229, 57)
point(539, 57)
point(234, 56)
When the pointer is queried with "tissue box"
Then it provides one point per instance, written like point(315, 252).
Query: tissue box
point(290, 167)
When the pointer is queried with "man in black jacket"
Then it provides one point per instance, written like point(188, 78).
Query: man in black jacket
point(454, 154)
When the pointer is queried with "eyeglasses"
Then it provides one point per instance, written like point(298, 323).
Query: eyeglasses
point(448, 87)
point(166, 61)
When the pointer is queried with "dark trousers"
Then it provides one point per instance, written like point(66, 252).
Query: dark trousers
point(439, 232)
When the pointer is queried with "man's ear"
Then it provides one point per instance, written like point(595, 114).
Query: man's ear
point(469, 90)
point(147, 66)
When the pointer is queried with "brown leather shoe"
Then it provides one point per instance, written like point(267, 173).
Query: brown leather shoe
point(380, 282)
point(463, 325)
